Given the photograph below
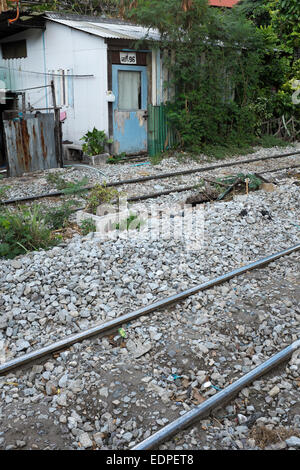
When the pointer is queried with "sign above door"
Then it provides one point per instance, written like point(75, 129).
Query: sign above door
point(127, 58)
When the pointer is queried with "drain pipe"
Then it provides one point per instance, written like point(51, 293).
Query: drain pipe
point(220, 398)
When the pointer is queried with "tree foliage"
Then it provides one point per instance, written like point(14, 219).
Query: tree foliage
point(255, 10)
point(82, 7)
point(231, 70)
point(214, 60)
point(283, 16)
point(279, 22)
point(285, 19)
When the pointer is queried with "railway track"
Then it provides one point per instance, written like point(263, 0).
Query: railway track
point(210, 403)
point(98, 352)
point(145, 179)
point(218, 400)
point(113, 324)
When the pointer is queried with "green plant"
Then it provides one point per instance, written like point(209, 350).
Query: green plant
point(156, 159)
point(58, 217)
point(113, 159)
point(100, 194)
point(3, 190)
point(76, 187)
point(87, 226)
point(220, 152)
point(133, 222)
point(228, 73)
point(254, 181)
point(67, 187)
point(24, 230)
point(268, 141)
point(55, 179)
point(95, 141)
point(212, 82)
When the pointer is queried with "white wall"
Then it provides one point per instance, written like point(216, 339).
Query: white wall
point(14, 72)
point(61, 47)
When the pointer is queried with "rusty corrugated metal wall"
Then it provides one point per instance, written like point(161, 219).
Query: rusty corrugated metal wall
point(30, 144)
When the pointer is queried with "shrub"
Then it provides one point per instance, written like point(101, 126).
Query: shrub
point(23, 231)
point(100, 194)
point(268, 141)
point(87, 226)
point(95, 141)
point(58, 217)
point(3, 191)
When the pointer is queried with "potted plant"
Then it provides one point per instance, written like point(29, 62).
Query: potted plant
point(94, 145)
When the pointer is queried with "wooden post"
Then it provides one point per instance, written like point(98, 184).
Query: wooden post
point(57, 128)
point(247, 185)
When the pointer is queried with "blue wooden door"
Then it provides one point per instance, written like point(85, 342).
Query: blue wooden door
point(129, 85)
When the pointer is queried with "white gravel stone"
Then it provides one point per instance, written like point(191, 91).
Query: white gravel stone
point(85, 440)
point(293, 441)
point(275, 390)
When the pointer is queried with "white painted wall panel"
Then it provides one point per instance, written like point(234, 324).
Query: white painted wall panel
point(85, 55)
point(63, 48)
point(17, 73)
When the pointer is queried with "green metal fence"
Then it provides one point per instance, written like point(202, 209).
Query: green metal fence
point(161, 136)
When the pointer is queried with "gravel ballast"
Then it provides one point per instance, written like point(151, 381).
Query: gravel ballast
point(112, 392)
point(36, 183)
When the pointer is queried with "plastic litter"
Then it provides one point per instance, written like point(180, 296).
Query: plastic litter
point(216, 388)
point(140, 164)
point(122, 332)
point(175, 376)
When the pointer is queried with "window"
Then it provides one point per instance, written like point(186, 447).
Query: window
point(129, 90)
point(14, 50)
point(63, 84)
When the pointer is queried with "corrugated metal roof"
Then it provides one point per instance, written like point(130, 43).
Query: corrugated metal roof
point(109, 30)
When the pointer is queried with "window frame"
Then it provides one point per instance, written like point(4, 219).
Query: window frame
point(9, 47)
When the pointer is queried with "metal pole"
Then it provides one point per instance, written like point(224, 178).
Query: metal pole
point(57, 127)
point(23, 103)
point(218, 399)
point(99, 329)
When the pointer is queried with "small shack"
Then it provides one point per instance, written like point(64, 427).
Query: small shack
point(102, 79)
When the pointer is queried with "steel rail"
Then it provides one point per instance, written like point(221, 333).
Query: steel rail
point(142, 197)
point(182, 189)
point(199, 170)
point(162, 176)
point(220, 398)
point(280, 169)
point(112, 324)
